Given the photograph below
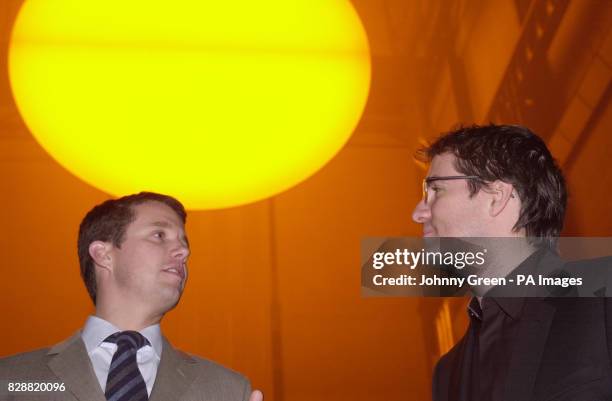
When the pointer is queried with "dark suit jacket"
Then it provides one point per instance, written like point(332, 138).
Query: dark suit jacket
point(180, 377)
point(561, 353)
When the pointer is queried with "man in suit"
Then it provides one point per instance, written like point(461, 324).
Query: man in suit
point(133, 253)
point(502, 181)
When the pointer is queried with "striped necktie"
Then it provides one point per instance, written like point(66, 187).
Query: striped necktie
point(125, 382)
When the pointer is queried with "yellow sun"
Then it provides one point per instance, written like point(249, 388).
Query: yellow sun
point(217, 103)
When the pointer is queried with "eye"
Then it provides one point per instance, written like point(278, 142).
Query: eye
point(435, 188)
point(159, 234)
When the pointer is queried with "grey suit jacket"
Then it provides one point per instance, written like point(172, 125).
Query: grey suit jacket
point(180, 377)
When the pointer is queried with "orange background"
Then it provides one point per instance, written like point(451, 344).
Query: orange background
point(274, 288)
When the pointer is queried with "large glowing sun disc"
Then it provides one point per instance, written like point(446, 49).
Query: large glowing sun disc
point(217, 103)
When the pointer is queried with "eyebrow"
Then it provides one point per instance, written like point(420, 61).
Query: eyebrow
point(161, 224)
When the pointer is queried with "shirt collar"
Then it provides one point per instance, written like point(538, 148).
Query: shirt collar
point(474, 309)
point(97, 329)
point(512, 307)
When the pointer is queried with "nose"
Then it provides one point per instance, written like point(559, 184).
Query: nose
point(181, 251)
point(421, 213)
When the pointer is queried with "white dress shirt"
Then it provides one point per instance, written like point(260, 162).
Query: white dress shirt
point(101, 353)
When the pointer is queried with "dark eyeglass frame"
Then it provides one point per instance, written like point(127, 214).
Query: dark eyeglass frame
point(429, 180)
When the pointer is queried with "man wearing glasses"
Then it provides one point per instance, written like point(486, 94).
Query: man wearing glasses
point(502, 181)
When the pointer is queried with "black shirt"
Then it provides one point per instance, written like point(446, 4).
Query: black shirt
point(531, 348)
point(489, 343)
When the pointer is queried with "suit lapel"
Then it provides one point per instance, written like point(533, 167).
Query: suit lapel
point(528, 349)
point(70, 362)
point(175, 374)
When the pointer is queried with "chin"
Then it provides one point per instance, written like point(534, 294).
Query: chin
point(169, 299)
point(172, 306)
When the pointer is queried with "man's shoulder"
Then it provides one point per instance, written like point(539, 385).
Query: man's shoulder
point(24, 364)
point(212, 376)
point(596, 261)
point(30, 356)
point(33, 364)
point(569, 303)
point(213, 370)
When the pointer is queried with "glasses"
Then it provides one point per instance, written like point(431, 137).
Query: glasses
point(429, 180)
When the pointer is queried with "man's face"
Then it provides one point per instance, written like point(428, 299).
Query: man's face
point(449, 211)
point(150, 266)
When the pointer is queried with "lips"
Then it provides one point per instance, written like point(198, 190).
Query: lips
point(428, 233)
point(178, 270)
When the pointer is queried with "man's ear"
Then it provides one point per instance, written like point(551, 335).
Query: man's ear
point(100, 252)
point(501, 194)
